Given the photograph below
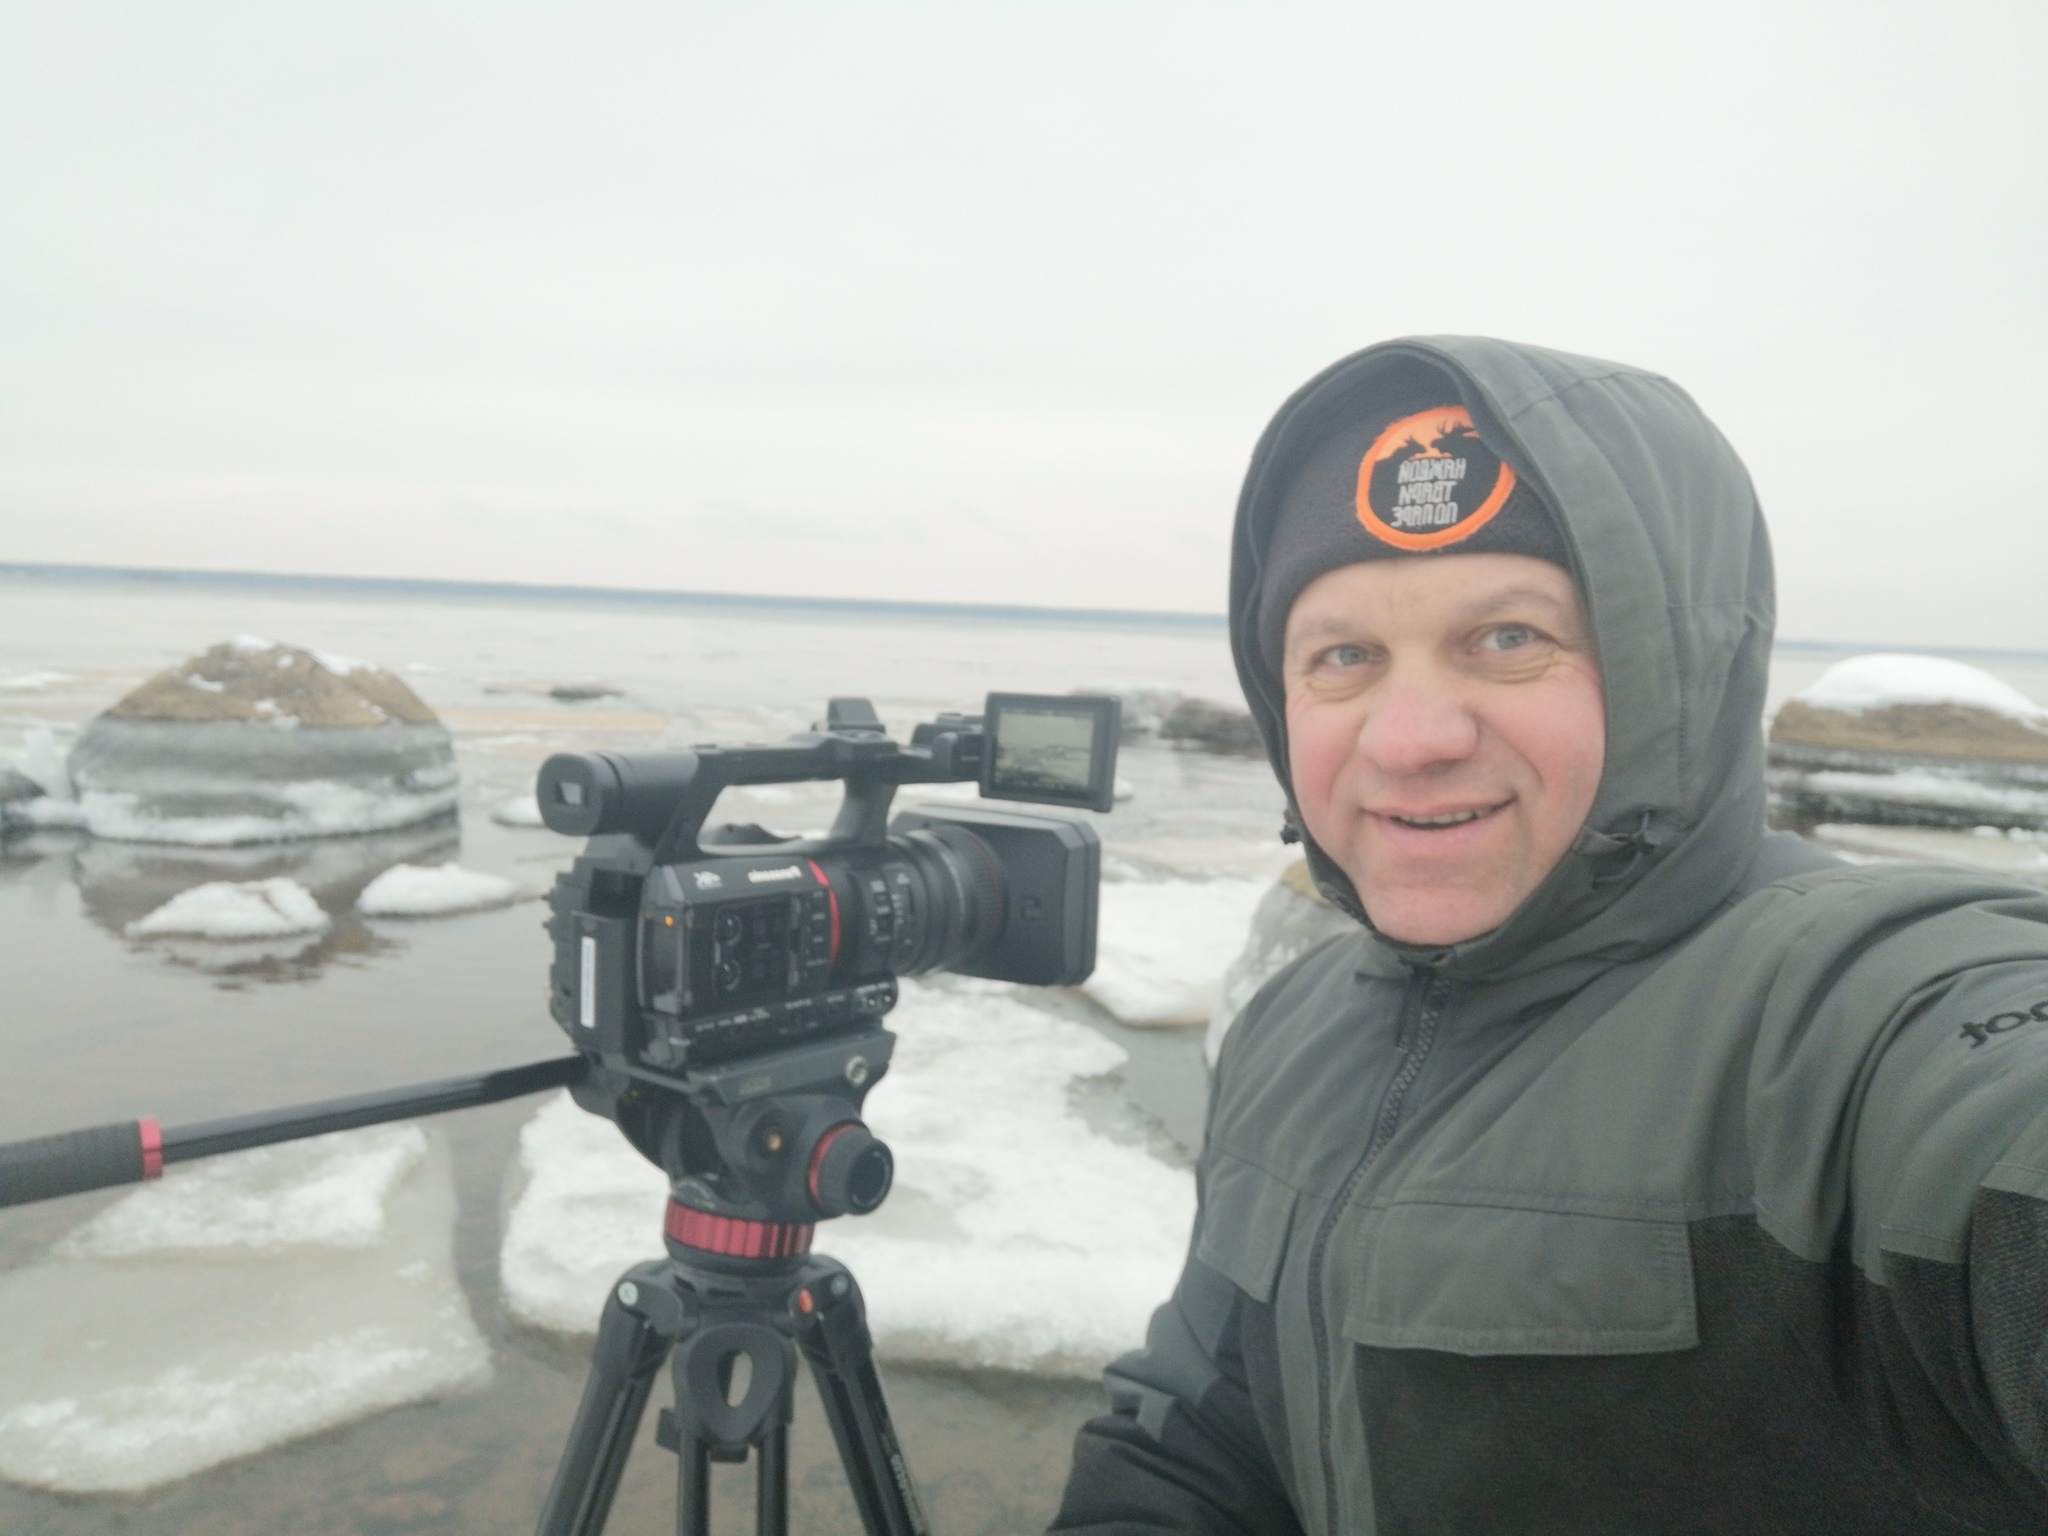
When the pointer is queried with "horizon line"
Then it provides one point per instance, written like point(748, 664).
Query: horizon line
point(866, 607)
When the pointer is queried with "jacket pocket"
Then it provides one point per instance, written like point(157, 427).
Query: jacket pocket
point(1246, 1216)
point(1494, 1280)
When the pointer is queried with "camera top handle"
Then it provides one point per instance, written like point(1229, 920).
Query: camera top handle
point(662, 798)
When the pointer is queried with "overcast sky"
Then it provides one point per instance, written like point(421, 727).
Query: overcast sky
point(988, 302)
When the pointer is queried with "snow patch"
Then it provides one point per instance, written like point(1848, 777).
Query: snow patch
point(248, 1301)
point(236, 909)
point(1877, 681)
point(1017, 1237)
point(414, 890)
point(1161, 947)
point(341, 666)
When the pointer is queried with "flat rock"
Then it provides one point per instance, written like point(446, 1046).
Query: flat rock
point(253, 741)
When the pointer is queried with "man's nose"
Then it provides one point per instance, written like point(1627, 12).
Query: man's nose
point(1413, 727)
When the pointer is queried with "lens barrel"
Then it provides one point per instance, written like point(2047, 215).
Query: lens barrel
point(962, 910)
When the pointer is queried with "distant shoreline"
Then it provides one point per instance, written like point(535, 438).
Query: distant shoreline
point(416, 587)
point(421, 588)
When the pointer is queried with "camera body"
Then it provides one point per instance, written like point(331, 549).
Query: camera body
point(729, 985)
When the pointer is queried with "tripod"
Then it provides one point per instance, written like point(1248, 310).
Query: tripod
point(732, 1290)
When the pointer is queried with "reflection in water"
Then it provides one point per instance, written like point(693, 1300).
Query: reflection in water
point(121, 882)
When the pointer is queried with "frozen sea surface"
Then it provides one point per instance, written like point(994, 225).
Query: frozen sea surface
point(255, 1299)
point(1017, 1236)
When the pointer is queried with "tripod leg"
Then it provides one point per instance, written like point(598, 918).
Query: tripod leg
point(630, 1349)
point(771, 1483)
point(841, 1353)
point(693, 1489)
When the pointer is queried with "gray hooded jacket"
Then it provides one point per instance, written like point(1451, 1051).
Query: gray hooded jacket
point(1707, 1193)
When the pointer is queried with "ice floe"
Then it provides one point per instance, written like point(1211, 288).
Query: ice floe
point(411, 890)
point(46, 813)
point(32, 682)
point(1161, 946)
point(42, 759)
point(1017, 1237)
point(518, 811)
point(305, 808)
point(232, 909)
point(240, 1303)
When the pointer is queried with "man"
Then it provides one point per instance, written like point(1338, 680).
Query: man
point(1630, 1169)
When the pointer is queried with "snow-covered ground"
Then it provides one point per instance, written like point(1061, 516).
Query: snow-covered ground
point(413, 890)
point(1017, 1235)
point(1162, 946)
point(243, 1302)
point(236, 909)
point(1883, 679)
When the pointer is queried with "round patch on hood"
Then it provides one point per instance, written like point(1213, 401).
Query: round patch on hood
point(1428, 481)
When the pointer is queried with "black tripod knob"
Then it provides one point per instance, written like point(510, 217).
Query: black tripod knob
point(850, 1171)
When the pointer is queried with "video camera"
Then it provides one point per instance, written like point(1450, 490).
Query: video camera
point(729, 983)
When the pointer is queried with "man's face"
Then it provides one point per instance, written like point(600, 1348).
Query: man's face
point(1446, 730)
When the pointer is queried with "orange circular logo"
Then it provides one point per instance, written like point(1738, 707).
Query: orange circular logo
point(1428, 481)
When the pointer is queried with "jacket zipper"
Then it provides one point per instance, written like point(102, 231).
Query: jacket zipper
point(1422, 1005)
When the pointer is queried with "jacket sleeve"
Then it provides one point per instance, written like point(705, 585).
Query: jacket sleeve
point(1949, 1182)
point(1182, 1448)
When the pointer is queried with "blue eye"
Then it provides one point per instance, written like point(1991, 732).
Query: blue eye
point(1509, 637)
point(1345, 655)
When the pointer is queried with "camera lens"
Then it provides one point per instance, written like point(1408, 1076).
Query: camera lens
point(728, 975)
point(728, 926)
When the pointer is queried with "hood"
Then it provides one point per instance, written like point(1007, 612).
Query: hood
point(1669, 549)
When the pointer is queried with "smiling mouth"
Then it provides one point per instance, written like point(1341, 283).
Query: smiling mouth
point(1445, 819)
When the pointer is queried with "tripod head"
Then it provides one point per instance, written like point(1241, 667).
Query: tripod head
point(757, 1151)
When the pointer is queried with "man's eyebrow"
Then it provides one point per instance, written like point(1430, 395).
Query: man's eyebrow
point(1493, 602)
point(1316, 628)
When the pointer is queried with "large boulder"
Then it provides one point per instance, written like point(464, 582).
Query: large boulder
point(1201, 725)
point(1910, 740)
point(1292, 919)
point(254, 742)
